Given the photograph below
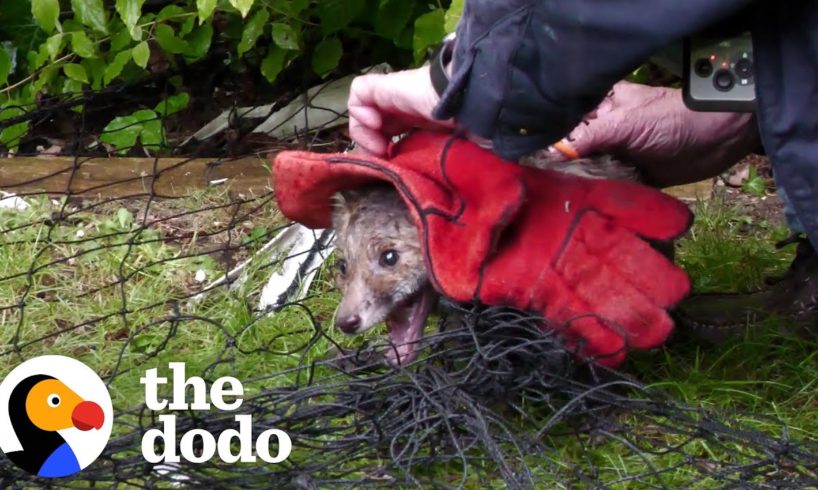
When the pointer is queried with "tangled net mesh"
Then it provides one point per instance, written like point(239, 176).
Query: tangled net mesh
point(104, 265)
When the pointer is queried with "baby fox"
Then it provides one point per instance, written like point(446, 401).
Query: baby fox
point(381, 270)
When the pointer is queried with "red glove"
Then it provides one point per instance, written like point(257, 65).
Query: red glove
point(569, 248)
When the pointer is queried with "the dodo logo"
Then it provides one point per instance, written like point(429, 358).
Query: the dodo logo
point(55, 416)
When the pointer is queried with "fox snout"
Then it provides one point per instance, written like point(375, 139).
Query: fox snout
point(348, 324)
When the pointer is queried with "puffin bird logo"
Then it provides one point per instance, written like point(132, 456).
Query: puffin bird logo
point(52, 422)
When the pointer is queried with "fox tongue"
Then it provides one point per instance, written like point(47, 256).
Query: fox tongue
point(405, 326)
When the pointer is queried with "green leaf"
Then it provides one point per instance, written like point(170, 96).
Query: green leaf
point(91, 13)
point(453, 15)
point(285, 36)
point(429, 31)
point(36, 59)
point(273, 63)
point(81, 45)
point(326, 56)
point(167, 39)
point(141, 54)
point(198, 42)
point(145, 115)
point(95, 67)
point(5, 66)
point(130, 11)
point(205, 8)
point(115, 67)
point(120, 41)
point(187, 26)
point(242, 6)
point(172, 104)
point(10, 136)
point(46, 13)
point(54, 45)
point(125, 218)
point(639, 75)
point(152, 135)
point(337, 14)
point(122, 132)
point(755, 184)
point(290, 8)
point(392, 17)
point(171, 12)
point(252, 30)
point(76, 72)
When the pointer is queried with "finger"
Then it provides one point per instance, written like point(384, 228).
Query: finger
point(370, 140)
point(600, 135)
point(366, 116)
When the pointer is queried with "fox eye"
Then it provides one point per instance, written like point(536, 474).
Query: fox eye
point(389, 258)
point(342, 267)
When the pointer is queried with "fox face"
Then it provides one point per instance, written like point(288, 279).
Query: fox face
point(380, 267)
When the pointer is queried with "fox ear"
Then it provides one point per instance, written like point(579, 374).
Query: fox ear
point(343, 204)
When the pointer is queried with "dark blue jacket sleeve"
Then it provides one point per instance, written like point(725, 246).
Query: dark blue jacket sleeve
point(526, 72)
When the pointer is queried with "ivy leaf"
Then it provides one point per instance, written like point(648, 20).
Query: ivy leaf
point(198, 42)
point(173, 104)
point(53, 45)
point(428, 32)
point(392, 17)
point(76, 72)
point(5, 66)
point(337, 14)
point(46, 13)
point(129, 11)
point(242, 6)
point(273, 63)
point(453, 15)
point(81, 45)
point(91, 13)
point(167, 39)
point(115, 67)
point(141, 53)
point(252, 30)
point(326, 56)
point(285, 36)
point(206, 8)
point(122, 132)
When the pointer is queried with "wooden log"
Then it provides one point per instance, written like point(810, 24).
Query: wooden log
point(117, 177)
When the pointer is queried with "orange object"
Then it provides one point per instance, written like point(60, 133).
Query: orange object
point(566, 149)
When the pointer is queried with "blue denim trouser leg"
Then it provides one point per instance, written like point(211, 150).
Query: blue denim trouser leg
point(789, 212)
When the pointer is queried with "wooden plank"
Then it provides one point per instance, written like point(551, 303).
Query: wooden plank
point(702, 190)
point(117, 177)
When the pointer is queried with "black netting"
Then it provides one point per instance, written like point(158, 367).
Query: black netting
point(132, 258)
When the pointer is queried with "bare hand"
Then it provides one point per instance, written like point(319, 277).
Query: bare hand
point(651, 128)
point(384, 105)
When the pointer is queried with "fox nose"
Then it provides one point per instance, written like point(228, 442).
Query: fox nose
point(348, 324)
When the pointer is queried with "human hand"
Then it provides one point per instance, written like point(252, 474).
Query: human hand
point(385, 105)
point(651, 128)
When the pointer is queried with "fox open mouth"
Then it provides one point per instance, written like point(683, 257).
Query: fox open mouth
point(406, 324)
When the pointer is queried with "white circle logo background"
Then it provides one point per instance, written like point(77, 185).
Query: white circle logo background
point(87, 445)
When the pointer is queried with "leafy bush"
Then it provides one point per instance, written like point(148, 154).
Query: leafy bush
point(57, 47)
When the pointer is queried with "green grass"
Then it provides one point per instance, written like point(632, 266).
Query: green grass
point(122, 307)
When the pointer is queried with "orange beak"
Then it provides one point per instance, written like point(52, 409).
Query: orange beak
point(87, 416)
